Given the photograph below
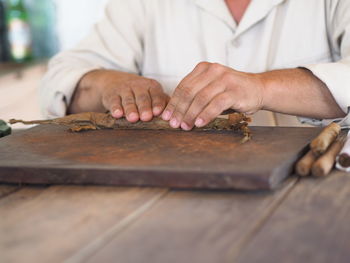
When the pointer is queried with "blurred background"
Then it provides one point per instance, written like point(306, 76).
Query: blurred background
point(32, 31)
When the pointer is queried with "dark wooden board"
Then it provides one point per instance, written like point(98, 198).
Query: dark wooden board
point(211, 159)
point(6, 190)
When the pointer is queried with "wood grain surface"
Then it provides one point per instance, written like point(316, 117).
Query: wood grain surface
point(311, 225)
point(49, 224)
point(197, 226)
point(214, 160)
point(304, 221)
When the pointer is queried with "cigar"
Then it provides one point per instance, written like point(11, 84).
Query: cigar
point(343, 160)
point(325, 163)
point(303, 167)
point(322, 142)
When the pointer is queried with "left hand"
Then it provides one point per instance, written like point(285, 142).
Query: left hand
point(209, 90)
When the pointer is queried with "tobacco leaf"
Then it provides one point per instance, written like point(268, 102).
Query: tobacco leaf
point(94, 121)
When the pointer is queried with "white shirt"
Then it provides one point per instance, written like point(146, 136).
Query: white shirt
point(166, 39)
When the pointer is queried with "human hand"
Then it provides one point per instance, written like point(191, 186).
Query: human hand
point(209, 90)
point(133, 96)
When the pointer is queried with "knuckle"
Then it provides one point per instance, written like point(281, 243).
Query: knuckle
point(156, 89)
point(171, 105)
point(180, 111)
point(130, 108)
point(153, 84)
point(203, 64)
point(185, 92)
point(132, 83)
point(227, 77)
point(216, 68)
point(202, 98)
point(143, 108)
point(128, 100)
point(143, 97)
point(158, 104)
point(158, 101)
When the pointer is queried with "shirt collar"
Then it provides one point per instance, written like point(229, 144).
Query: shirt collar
point(218, 9)
point(257, 10)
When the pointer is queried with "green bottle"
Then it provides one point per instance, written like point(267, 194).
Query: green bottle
point(3, 34)
point(19, 34)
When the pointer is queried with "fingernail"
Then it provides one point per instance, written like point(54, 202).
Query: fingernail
point(185, 127)
point(174, 123)
point(199, 122)
point(157, 110)
point(117, 113)
point(166, 115)
point(145, 115)
point(133, 116)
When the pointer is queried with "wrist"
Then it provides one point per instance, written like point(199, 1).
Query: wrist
point(263, 83)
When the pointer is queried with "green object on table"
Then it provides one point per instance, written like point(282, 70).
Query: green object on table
point(4, 129)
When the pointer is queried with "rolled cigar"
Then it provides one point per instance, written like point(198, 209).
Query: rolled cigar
point(304, 165)
point(325, 163)
point(343, 160)
point(328, 135)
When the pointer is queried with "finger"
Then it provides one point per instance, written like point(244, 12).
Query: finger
point(221, 102)
point(129, 106)
point(113, 104)
point(211, 75)
point(184, 96)
point(159, 100)
point(199, 103)
point(175, 98)
point(187, 95)
point(116, 107)
point(143, 103)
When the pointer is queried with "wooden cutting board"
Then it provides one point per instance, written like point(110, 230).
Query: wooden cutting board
point(198, 159)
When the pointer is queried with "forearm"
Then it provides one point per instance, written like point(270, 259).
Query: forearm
point(298, 92)
point(88, 93)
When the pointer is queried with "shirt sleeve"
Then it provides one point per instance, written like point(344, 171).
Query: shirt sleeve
point(336, 75)
point(114, 43)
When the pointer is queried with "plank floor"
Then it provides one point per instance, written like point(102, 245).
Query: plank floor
point(304, 221)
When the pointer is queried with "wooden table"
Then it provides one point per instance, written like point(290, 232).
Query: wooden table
point(306, 220)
